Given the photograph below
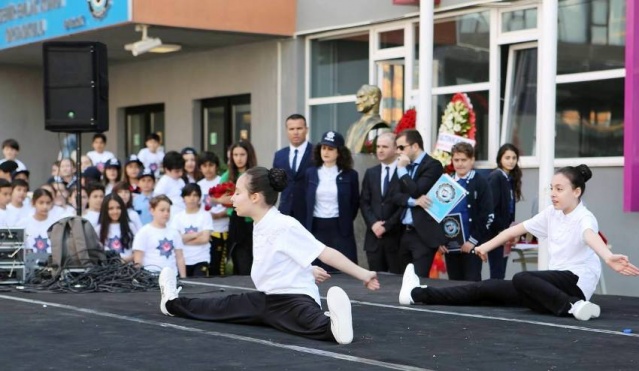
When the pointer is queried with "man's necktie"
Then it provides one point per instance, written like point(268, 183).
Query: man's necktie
point(386, 181)
point(294, 167)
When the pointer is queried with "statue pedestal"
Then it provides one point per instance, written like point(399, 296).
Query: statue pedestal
point(361, 162)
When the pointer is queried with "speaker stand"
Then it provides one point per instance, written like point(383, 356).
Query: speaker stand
point(78, 173)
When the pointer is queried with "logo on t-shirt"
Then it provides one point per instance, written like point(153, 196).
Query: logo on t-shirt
point(41, 244)
point(165, 247)
point(100, 166)
point(153, 167)
point(114, 244)
point(190, 229)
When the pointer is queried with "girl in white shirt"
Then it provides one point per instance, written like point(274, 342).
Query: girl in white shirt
point(156, 246)
point(195, 226)
point(112, 174)
point(36, 225)
point(123, 190)
point(115, 231)
point(287, 297)
point(574, 268)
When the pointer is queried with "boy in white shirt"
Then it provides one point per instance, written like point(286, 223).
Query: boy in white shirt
point(195, 226)
point(171, 183)
point(18, 210)
point(99, 156)
point(5, 198)
point(209, 163)
point(10, 150)
point(95, 191)
point(152, 156)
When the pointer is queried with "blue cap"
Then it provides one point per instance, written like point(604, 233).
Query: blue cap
point(332, 139)
point(134, 158)
point(146, 172)
point(112, 162)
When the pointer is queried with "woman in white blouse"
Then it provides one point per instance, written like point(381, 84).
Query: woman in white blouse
point(574, 266)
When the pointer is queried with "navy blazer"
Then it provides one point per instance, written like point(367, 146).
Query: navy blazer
point(375, 207)
point(500, 189)
point(347, 199)
point(480, 208)
point(292, 200)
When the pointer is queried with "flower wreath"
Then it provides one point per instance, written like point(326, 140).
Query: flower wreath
point(458, 119)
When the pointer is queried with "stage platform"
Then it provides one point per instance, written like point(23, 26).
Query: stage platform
point(53, 331)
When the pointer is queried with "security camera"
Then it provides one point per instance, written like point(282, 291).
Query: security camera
point(143, 46)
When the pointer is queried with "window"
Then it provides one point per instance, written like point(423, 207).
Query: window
point(225, 120)
point(140, 122)
point(517, 20)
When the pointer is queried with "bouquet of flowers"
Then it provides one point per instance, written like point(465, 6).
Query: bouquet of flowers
point(222, 189)
point(407, 121)
point(458, 120)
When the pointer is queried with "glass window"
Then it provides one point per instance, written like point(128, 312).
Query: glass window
point(590, 119)
point(225, 120)
point(391, 39)
point(591, 35)
point(479, 100)
point(461, 50)
point(391, 78)
point(339, 66)
point(140, 122)
point(338, 117)
point(517, 20)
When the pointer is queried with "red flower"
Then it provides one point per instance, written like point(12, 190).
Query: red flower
point(407, 121)
point(222, 189)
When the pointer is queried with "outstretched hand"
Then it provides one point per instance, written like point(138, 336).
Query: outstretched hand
point(371, 282)
point(622, 265)
point(479, 251)
point(320, 274)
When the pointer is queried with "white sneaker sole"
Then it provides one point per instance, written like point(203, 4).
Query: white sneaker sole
point(165, 275)
point(587, 311)
point(339, 307)
point(408, 284)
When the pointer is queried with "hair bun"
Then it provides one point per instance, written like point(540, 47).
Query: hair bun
point(277, 179)
point(585, 172)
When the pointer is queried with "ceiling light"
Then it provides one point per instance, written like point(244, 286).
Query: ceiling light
point(149, 44)
point(166, 48)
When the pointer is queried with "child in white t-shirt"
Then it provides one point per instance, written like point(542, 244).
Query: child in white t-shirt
point(573, 270)
point(123, 190)
point(10, 150)
point(156, 246)
point(36, 225)
point(195, 226)
point(171, 183)
point(114, 230)
point(95, 191)
point(99, 156)
point(5, 198)
point(18, 210)
point(112, 174)
point(152, 156)
point(287, 298)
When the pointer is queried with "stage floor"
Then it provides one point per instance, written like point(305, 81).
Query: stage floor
point(44, 330)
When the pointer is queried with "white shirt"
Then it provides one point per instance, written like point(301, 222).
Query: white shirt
point(114, 239)
point(158, 245)
point(3, 218)
point(172, 188)
point(36, 237)
point(19, 215)
point(193, 223)
point(219, 225)
point(134, 218)
point(566, 246)
point(326, 195)
point(99, 159)
point(21, 165)
point(391, 171)
point(300, 153)
point(151, 160)
point(283, 251)
point(93, 217)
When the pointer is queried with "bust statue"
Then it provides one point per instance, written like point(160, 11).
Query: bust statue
point(362, 135)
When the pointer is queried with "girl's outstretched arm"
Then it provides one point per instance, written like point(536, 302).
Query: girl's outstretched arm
point(617, 262)
point(337, 260)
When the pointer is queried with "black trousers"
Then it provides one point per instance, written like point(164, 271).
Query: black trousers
point(497, 263)
point(412, 250)
point(326, 230)
point(463, 267)
point(292, 313)
point(240, 244)
point(198, 270)
point(386, 257)
point(542, 291)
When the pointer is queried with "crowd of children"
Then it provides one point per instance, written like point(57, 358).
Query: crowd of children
point(153, 209)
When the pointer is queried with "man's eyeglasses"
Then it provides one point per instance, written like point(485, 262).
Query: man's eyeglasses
point(401, 147)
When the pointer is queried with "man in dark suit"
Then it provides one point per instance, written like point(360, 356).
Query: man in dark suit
point(417, 173)
point(381, 215)
point(295, 159)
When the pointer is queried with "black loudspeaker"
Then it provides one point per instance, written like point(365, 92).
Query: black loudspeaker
point(76, 87)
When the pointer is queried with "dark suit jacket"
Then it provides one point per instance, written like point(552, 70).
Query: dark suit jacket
point(376, 207)
point(480, 208)
point(292, 200)
point(500, 190)
point(426, 175)
point(347, 199)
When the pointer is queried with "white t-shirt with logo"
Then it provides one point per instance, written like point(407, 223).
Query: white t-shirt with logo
point(152, 161)
point(35, 234)
point(219, 225)
point(186, 223)
point(158, 245)
point(566, 246)
point(99, 159)
point(283, 251)
point(172, 188)
point(114, 239)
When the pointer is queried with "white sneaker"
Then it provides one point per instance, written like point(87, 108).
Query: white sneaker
point(585, 310)
point(339, 309)
point(409, 282)
point(168, 289)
